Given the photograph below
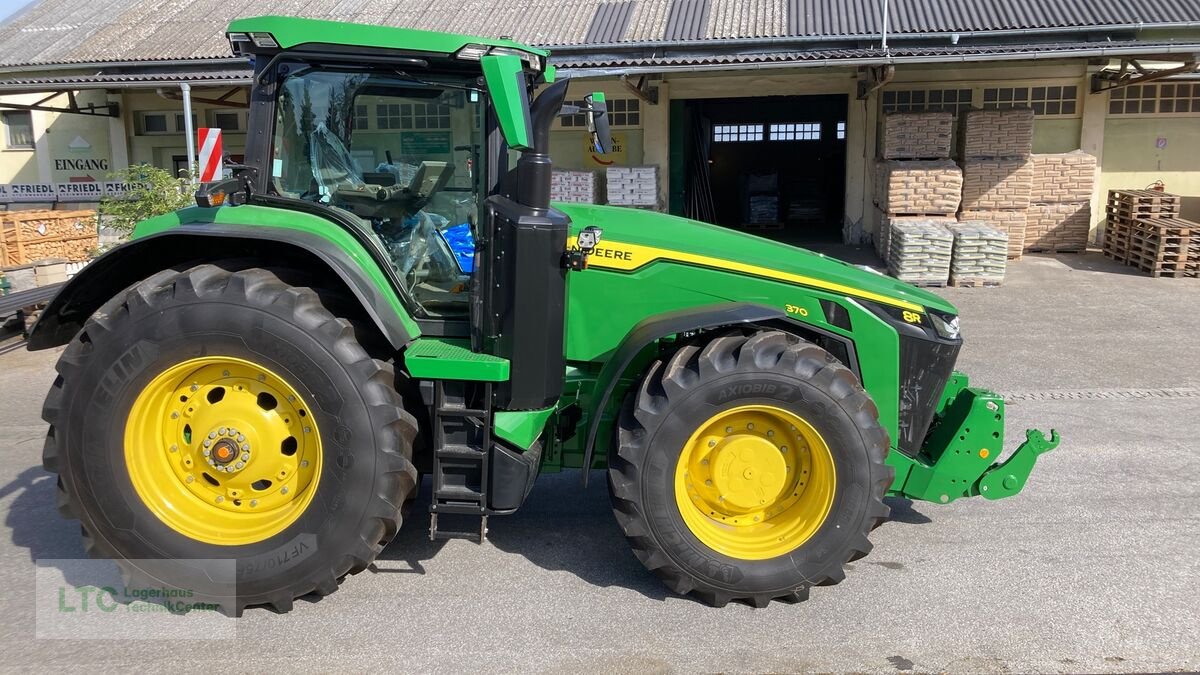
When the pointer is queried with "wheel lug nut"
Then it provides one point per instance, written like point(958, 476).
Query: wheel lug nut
point(195, 387)
point(783, 448)
point(712, 444)
point(174, 448)
point(212, 434)
point(304, 463)
point(220, 499)
point(729, 430)
point(191, 479)
point(225, 373)
point(708, 483)
point(245, 447)
point(283, 490)
point(262, 377)
point(750, 425)
point(207, 444)
point(770, 434)
point(221, 431)
point(291, 399)
point(240, 465)
point(307, 430)
point(241, 437)
point(207, 451)
point(253, 502)
point(245, 456)
point(174, 415)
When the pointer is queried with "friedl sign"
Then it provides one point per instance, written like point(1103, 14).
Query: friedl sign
point(71, 164)
point(80, 192)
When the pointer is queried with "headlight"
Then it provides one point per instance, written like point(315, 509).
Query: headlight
point(945, 325)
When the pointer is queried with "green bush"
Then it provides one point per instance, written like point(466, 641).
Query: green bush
point(153, 192)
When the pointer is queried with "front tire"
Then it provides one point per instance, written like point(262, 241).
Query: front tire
point(749, 467)
point(221, 414)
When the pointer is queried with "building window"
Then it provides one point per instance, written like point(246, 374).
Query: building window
point(841, 131)
point(387, 115)
point(622, 112)
point(1172, 98)
point(728, 133)
point(1045, 101)
point(927, 100)
point(362, 117)
point(796, 132)
point(230, 121)
point(18, 128)
point(154, 123)
point(180, 127)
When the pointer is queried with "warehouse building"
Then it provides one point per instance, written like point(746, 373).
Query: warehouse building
point(764, 115)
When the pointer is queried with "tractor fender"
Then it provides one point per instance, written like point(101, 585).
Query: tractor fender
point(655, 328)
point(134, 261)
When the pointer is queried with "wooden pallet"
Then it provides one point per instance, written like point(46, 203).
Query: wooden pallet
point(974, 282)
point(1142, 197)
point(1067, 248)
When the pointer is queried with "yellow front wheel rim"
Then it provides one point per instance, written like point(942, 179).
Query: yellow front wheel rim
point(755, 482)
point(223, 450)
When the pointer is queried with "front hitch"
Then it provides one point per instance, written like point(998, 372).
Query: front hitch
point(959, 457)
point(1006, 479)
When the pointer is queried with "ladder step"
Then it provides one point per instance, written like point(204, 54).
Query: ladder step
point(460, 452)
point(457, 493)
point(479, 535)
point(461, 412)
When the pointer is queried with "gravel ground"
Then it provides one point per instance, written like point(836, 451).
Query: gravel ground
point(1093, 568)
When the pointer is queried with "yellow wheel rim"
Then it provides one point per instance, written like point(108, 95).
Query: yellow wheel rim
point(755, 482)
point(223, 451)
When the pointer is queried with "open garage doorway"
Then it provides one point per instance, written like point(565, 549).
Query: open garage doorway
point(774, 166)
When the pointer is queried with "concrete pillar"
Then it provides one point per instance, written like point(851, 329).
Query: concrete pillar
point(656, 138)
point(118, 141)
point(1091, 140)
point(857, 162)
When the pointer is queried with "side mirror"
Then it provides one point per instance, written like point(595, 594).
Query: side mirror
point(596, 114)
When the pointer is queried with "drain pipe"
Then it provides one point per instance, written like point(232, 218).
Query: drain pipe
point(186, 89)
point(883, 36)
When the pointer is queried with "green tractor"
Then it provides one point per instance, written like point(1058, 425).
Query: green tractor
point(264, 378)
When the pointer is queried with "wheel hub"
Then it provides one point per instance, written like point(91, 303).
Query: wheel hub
point(748, 471)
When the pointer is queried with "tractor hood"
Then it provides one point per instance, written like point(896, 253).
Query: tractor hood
point(641, 237)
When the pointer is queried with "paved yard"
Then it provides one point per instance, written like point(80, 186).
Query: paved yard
point(1096, 567)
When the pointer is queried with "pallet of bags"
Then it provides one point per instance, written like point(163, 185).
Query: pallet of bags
point(980, 254)
point(577, 187)
point(996, 134)
point(918, 187)
point(917, 135)
point(1060, 215)
point(1011, 222)
point(632, 185)
point(919, 252)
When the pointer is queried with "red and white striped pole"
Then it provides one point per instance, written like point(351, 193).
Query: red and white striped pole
point(211, 158)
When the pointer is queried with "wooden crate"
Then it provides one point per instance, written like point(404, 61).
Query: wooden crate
point(1141, 203)
point(28, 236)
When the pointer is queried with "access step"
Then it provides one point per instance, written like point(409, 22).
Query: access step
point(431, 358)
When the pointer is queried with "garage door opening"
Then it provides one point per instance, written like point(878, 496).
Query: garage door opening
point(774, 166)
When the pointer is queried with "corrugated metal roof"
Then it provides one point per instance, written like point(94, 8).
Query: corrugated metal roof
point(610, 22)
point(243, 75)
point(947, 52)
point(70, 31)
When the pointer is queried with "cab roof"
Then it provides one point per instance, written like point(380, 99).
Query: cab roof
point(293, 31)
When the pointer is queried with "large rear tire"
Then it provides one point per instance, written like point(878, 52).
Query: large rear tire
point(220, 414)
point(749, 467)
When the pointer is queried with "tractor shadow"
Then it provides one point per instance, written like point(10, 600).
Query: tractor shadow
point(561, 528)
point(903, 512)
point(34, 522)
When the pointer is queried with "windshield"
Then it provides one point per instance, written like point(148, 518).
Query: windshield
point(399, 152)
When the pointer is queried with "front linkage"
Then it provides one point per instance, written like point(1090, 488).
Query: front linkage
point(959, 457)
